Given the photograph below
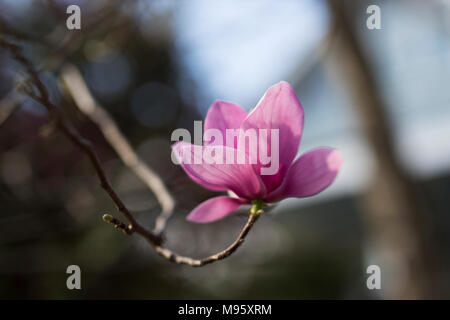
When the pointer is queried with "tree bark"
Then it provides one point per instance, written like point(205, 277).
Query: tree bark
point(397, 233)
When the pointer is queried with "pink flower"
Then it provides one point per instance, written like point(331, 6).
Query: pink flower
point(279, 109)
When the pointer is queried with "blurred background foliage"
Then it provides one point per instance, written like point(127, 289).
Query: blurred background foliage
point(156, 66)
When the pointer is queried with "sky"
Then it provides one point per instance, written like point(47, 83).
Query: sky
point(237, 49)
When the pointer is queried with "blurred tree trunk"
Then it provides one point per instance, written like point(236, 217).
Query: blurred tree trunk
point(395, 217)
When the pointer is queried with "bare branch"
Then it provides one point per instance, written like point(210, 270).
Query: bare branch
point(133, 226)
point(87, 104)
point(166, 253)
point(179, 259)
point(117, 223)
point(73, 135)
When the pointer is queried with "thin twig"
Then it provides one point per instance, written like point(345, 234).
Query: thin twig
point(73, 135)
point(90, 107)
point(179, 259)
point(166, 253)
point(117, 223)
point(133, 226)
point(66, 45)
point(85, 145)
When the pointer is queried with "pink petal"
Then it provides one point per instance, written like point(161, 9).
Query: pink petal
point(280, 109)
point(310, 174)
point(214, 209)
point(239, 178)
point(224, 115)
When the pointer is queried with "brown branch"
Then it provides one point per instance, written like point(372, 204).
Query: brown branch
point(397, 226)
point(179, 259)
point(86, 103)
point(133, 226)
point(166, 253)
point(117, 223)
point(72, 134)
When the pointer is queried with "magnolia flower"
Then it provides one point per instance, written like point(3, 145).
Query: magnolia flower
point(280, 109)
